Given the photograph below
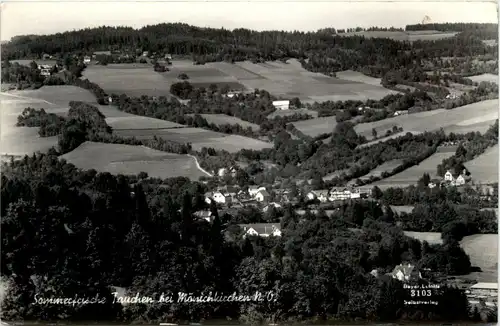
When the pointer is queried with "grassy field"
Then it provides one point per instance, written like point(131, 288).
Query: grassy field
point(198, 138)
point(402, 209)
point(58, 95)
point(490, 42)
point(484, 168)
point(315, 127)
point(127, 159)
point(22, 140)
point(385, 167)
point(485, 77)
point(430, 237)
point(383, 139)
point(404, 36)
point(222, 119)
point(291, 80)
point(137, 122)
point(335, 174)
point(40, 62)
point(280, 79)
point(130, 79)
point(411, 175)
point(481, 112)
point(358, 77)
point(482, 250)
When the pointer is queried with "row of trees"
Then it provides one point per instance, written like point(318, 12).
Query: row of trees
point(474, 144)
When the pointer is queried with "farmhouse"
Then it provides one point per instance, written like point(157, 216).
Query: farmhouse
point(205, 215)
point(281, 105)
point(45, 69)
point(232, 94)
point(261, 229)
point(401, 112)
point(218, 197)
point(460, 180)
point(321, 195)
point(448, 176)
point(253, 190)
point(262, 195)
point(406, 273)
point(223, 171)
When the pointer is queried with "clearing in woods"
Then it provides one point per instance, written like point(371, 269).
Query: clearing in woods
point(358, 77)
point(383, 139)
point(223, 119)
point(482, 112)
point(199, 138)
point(128, 160)
point(22, 140)
point(485, 77)
point(130, 79)
point(484, 168)
point(411, 175)
point(384, 167)
point(318, 126)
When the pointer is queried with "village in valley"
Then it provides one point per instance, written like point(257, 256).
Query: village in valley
point(175, 158)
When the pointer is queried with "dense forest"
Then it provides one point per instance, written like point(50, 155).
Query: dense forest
point(326, 53)
point(128, 232)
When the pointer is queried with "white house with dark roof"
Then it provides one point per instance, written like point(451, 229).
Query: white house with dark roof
point(448, 176)
point(282, 105)
point(218, 197)
point(460, 181)
point(254, 190)
point(204, 214)
point(262, 229)
point(262, 195)
point(321, 195)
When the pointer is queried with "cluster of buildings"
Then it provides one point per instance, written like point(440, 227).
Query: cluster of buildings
point(450, 180)
point(45, 70)
point(233, 195)
point(483, 292)
point(336, 193)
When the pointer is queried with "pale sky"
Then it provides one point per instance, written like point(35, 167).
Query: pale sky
point(42, 17)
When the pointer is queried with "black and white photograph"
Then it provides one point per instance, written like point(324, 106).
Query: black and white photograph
point(234, 163)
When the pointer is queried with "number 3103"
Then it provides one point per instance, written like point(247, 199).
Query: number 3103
point(421, 293)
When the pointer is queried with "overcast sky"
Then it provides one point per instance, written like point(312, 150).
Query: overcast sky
point(40, 17)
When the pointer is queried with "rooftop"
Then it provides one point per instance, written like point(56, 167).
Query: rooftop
point(483, 285)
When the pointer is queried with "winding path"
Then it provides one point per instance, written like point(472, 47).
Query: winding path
point(199, 167)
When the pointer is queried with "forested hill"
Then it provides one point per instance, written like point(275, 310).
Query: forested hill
point(484, 31)
point(210, 44)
